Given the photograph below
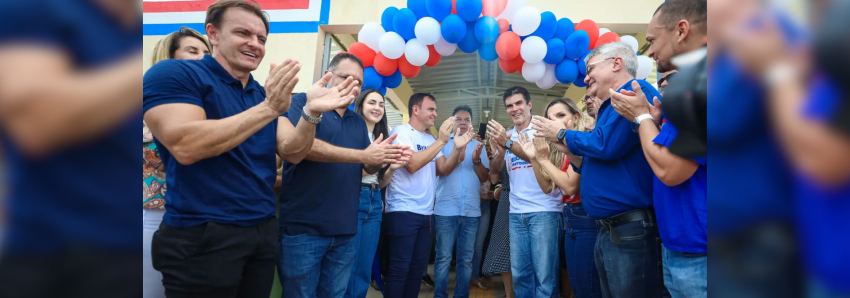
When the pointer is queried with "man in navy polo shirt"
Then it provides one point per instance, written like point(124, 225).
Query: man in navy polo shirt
point(69, 127)
point(616, 180)
point(679, 194)
point(321, 194)
point(218, 131)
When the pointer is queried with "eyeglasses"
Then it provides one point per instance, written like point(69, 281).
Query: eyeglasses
point(589, 68)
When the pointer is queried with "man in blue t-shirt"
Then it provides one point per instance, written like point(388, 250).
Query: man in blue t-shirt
point(318, 207)
point(616, 180)
point(680, 184)
point(217, 131)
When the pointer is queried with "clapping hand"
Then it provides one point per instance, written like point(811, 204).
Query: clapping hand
point(526, 144)
point(280, 83)
point(631, 104)
point(446, 130)
point(546, 128)
point(384, 152)
point(476, 154)
point(497, 132)
point(541, 148)
point(321, 99)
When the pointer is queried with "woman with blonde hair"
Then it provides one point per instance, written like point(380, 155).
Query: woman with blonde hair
point(555, 170)
point(182, 44)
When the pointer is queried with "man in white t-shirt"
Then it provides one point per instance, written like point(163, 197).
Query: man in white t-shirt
point(411, 193)
point(535, 217)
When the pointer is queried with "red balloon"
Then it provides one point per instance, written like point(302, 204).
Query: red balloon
point(362, 51)
point(511, 66)
point(608, 37)
point(493, 8)
point(503, 26)
point(592, 31)
point(433, 57)
point(454, 7)
point(385, 66)
point(407, 69)
point(508, 45)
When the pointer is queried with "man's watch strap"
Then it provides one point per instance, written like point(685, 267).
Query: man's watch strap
point(509, 143)
point(561, 135)
point(308, 118)
point(642, 117)
point(476, 162)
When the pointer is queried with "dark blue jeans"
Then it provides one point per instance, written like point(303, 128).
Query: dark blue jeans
point(534, 253)
point(632, 267)
point(315, 266)
point(579, 242)
point(409, 240)
point(368, 232)
point(454, 231)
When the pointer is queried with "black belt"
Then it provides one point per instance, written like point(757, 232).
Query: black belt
point(370, 185)
point(631, 216)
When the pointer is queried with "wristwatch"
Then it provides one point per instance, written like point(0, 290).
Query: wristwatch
point(476, 162)
point(308, 118)
point(561, 134)
point(509, 144)
point(640, 118)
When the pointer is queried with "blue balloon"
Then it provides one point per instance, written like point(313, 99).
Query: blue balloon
point(487, 51)
point(469, 44)
point(351, 107)
point(393, 80)
point(383, 90)
point(371, 78)
point(404, 23)
point(554, 51)
point(548, 25)
point(567, 71)
point(453, 29)
point(387, 18)
point(579, 82)
point(577, 44)
point(565, 28)
point(438, 9)
point(582, 66)
point(487, 29)
point(418, 8)
point(468, 10)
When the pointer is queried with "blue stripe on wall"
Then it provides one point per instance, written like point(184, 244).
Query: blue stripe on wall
point(274, 27)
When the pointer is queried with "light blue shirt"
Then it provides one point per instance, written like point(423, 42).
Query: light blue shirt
point(459, 193)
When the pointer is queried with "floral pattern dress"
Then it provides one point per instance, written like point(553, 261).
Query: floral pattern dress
point(153, 173)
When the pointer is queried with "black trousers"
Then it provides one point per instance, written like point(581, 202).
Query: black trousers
point(216, 260)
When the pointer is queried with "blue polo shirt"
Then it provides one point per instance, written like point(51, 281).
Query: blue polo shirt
point(82, 195)
point(615, 177)
point(459, 193)
point(321, 198)
point(235, 187)
point(681, 210)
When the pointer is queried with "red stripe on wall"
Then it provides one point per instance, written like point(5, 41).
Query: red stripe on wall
point(201, 5)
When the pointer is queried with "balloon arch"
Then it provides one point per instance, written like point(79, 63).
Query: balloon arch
point(544, 49)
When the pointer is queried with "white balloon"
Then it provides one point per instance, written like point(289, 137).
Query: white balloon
point(444, 48)
point(371, 34)
point(427, 30)
point(526, 20)
point(416, 53)
point(392, 45)
point(603, 31)
point(645, 65)
point(510, 10)
point(533, 72)
point(631, 41)
point(533, 49)
point(548, 81)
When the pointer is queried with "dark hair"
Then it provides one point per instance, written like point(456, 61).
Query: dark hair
point(215, 12)
point(343, 56)
point(571, 105)
point(463, 108)
point(665, 78)
point(695, 11)
point(380, 127)
point(514, 91)
point(416, 100)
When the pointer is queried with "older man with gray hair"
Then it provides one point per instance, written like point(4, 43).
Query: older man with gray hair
point(616, 180)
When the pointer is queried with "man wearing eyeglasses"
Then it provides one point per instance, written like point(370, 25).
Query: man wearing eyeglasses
point(458, 206)
point(616, 180)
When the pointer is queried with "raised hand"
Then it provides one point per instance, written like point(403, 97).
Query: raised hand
point(321, 99)
point(541, 148)
point(630, 104)
point(282, 79)
point(497, 132)
point(461, 140)
point(526, 144)
point(476, 154)
point(655, 110)
point(546, 128)
point(384, 152)
point(446, 129)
